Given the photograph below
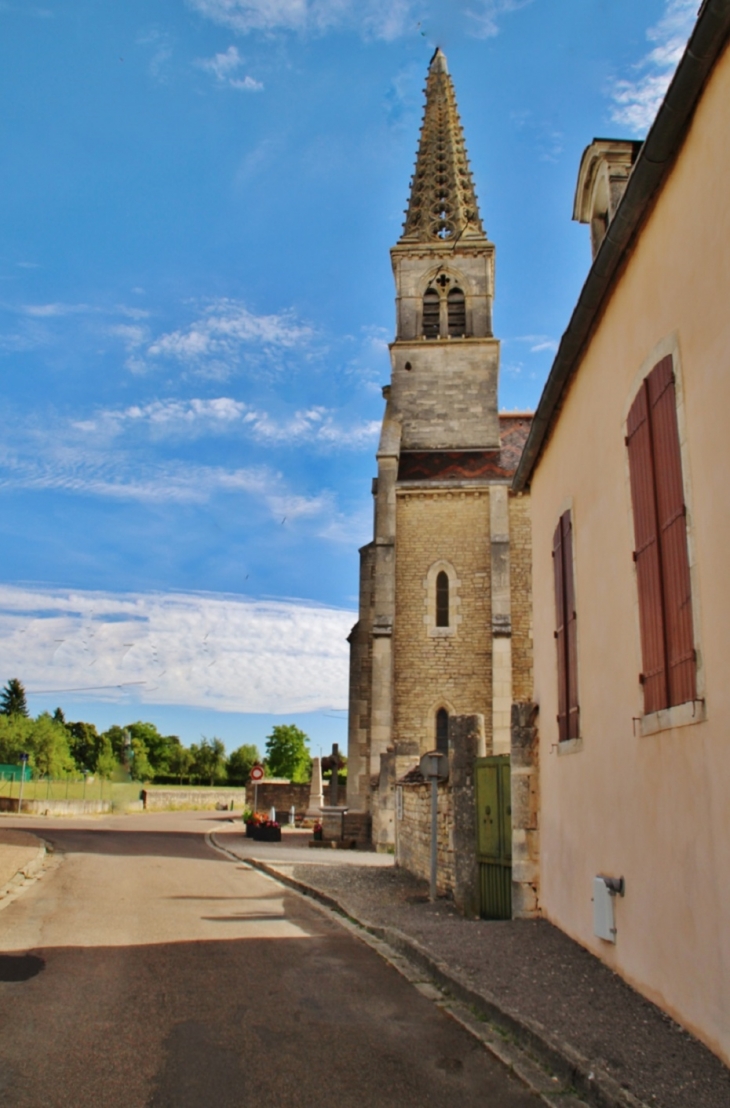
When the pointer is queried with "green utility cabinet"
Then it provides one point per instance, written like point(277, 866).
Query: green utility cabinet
point(494, 836)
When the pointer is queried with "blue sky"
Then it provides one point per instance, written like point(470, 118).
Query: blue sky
point(198, 199)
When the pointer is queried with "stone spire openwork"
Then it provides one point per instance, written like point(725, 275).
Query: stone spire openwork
point(443, 204)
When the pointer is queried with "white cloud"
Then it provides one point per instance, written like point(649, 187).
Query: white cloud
point(160, 44)
point(248, 84)
point(85, 471)
point(380, 19)
point(214, 343)
point(538, 343)
point(57, 309)
point(487, 12)
point(200, 416)
point(199, 650)
point(224, 68)
point(636, 102)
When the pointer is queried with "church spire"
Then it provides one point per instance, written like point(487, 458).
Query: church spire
point(443, 204)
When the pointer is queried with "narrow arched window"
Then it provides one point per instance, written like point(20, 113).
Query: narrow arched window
point(457, 313)
point(431, 313)
point(442, 599)
point(442, 731)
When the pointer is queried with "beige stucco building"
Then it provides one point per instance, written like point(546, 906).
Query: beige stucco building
point(444, 620)
point(627, 464)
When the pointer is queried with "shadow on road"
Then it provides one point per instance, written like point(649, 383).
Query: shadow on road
point(297, 1023)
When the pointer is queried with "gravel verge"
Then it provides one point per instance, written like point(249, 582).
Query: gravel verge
point(534, 972)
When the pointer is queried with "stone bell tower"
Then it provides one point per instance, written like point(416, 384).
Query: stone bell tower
point(435, 580)
point(445, 358)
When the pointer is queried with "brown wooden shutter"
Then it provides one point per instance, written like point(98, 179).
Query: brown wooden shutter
point(647, 555)
point(566, 630)
point(571, 645)
point(560, 632)
point(671, 518)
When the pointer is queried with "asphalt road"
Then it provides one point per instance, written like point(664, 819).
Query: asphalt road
point(145, 970)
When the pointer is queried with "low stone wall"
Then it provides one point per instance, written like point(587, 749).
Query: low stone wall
point(457, 872)
point(56, 807)
point(413, 833)
point(282, 795)
point(525, 812)
point(169, 800)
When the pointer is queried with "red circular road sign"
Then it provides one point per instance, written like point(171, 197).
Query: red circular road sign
point(257, 773)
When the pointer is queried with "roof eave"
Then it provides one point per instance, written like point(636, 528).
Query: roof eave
point(661, 146)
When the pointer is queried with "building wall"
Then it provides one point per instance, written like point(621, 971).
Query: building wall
point(413, 835)
point(520, 538)
point(434, 670)
point(651, 808)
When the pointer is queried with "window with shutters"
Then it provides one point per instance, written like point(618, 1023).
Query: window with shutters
point(565, 630)
point(456, 306)
point(669, 674)
point(431, 314)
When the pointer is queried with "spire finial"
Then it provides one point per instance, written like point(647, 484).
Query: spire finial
point(438, 62)
point(443, 203)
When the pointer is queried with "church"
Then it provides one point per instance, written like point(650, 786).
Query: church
point(444, 627)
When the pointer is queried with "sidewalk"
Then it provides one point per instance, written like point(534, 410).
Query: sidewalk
point(21, 855)
point(529, 980)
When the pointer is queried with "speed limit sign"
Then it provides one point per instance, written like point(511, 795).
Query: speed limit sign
point(257, 773)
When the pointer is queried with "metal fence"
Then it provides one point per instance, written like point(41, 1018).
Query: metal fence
point(65, 788)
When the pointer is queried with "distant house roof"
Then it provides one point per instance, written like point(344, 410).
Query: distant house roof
point(652, 167)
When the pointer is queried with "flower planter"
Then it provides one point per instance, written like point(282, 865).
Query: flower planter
point(317, 834)
point(267, 834)
point(250, 829)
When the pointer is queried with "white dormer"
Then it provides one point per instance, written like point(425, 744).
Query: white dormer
point(604, 172)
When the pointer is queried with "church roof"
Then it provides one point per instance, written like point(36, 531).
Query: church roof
point(443, 204)
point(421, 466)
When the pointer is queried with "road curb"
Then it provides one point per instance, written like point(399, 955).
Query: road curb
point(591, 1084)
point(26, 873)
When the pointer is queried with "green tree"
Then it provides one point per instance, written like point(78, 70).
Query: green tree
point(238, 766)
point(181, 761)
point(159, 747)
point(85, 743)
point(287, 754)
point(43, 740)
point(208, 759)
point(140, 767)
point(12, 699)
point(121, 743)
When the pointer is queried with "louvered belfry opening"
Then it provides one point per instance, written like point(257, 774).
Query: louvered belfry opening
point(442, 731)
point(443, 203)
point(660, 532)
point(457, 313)
point(431, 314)
point(566, 630)
point(442, 599)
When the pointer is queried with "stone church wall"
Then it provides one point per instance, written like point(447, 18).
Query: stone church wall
point(521, 599)
point(434, 670)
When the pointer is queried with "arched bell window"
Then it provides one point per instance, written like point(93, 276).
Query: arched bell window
point(457, 313)
point(431, 314)
point(442, 599)
point(442, 731)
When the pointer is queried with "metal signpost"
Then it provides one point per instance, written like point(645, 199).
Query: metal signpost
point(256, 775)
point(23, 764)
